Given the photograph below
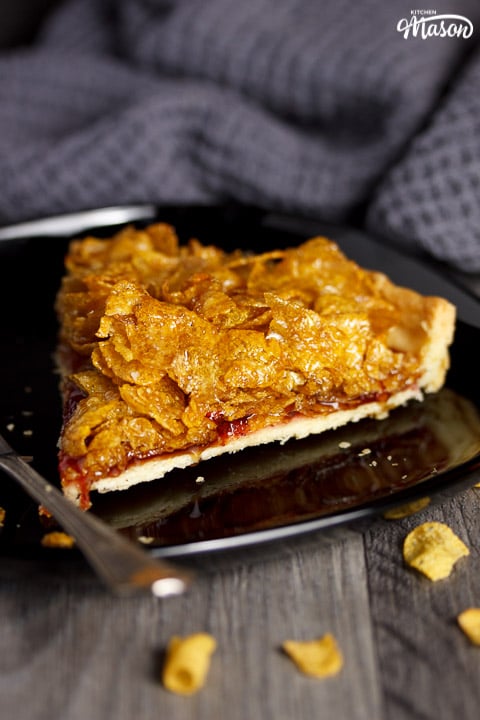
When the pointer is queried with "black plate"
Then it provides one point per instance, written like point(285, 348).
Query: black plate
point(425, 451)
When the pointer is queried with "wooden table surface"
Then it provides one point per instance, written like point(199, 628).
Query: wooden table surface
point(70, 650)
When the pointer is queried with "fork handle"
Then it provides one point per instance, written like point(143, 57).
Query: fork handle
point(123, 566)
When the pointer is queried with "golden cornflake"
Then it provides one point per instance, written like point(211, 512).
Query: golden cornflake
point(469, 621)
point(318, 658)
point(433, 549)
point(187, 662)
point(408, 509)
point(56, 539)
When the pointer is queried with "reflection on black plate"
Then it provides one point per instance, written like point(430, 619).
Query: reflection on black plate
point(279, 491)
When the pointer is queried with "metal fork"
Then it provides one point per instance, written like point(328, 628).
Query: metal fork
point(123, 566)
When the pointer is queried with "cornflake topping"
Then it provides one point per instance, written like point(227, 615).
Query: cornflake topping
point(187, 663)
point(318, 658)
point(57, 539)
point(433, 549)
point(469, 621)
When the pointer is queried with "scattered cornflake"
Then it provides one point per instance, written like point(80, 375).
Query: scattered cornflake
point(44, 514)
point(2, 516)
point(365, 451)
point(28, 433)
point(11, 427)
point(373, 463)
point(187, 662)
point(404, 477)
point(57, 539)
point(469, 621)
point(389, 457)
point(408, 509)
point(344, 444)
point(433, 549)
point(145, 539)
point(318, 658)
point(200, 479)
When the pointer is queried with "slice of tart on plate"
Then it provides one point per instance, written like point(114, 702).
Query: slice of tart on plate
point(172, 353)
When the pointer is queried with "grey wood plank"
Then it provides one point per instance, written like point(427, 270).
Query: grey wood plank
point(69, 650)
point(429, 668)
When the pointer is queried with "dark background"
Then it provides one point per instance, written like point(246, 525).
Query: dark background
point(20, 20)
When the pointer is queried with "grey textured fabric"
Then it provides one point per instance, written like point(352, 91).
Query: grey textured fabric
point(313, 107)
point(431, 199)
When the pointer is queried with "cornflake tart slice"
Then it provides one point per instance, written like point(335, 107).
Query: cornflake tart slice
point(171, 354)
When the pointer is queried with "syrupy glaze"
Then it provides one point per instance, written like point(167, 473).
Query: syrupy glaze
point(228, 429)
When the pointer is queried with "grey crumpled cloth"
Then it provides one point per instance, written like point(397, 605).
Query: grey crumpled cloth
point(320, 108)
